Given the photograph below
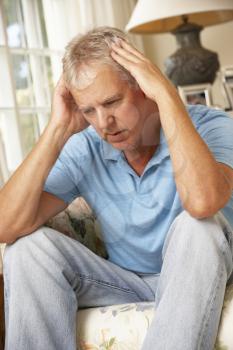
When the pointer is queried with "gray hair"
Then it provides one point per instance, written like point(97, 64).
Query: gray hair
point(93, 47)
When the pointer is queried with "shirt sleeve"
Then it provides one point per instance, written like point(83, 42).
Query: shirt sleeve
point(60, 183)
point(65, 176)
point(216, 129)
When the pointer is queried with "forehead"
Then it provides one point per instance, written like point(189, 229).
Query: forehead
point(96, 83)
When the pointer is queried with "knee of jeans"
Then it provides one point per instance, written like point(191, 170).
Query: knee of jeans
point(194, 233)
point(21, 249)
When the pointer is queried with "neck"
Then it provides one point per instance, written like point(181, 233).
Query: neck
point(144, 149)
point(139, 156)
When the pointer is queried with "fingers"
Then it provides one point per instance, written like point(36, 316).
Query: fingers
point(61, 88)
point(132, 49)
point(66, 94)
point(120, 51)
point(71, 101)
point(127, 51)
point(124, 62)
point(61, 82)
point(62, 91)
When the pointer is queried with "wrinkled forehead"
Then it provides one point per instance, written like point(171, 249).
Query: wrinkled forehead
point(93, 73)
point(96, 82)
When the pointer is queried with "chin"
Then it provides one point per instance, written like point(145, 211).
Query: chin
point(123, 146)
point(129, 143)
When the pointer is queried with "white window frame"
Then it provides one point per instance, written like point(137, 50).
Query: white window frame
point(10, 126)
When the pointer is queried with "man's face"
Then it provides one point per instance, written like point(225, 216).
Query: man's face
point(111, 106)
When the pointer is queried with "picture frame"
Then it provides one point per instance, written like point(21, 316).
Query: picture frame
point(196, 94)
point(227, 83)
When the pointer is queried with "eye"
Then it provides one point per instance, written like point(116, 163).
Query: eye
point(112, 102)
point(88, 111)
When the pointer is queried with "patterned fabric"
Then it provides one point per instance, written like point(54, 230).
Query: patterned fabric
point(124, 327)
point(78, 222)
point(118, 327)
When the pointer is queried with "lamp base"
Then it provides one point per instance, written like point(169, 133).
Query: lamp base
point(191, 63)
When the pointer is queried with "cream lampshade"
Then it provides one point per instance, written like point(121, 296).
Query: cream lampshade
point(191, 63)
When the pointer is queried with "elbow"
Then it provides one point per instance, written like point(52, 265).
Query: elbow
point(9, 235)
point(6, 240)
point(4, 234)
point(201, 212)
point(207, 207)
point(7, 229)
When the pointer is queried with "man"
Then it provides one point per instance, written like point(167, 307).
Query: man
point(159, 178)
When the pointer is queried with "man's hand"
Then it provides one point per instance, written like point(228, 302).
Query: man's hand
point(65, 112)
point(150, 79)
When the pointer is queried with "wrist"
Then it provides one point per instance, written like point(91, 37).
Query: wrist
point(169, 97)
point(57, 134)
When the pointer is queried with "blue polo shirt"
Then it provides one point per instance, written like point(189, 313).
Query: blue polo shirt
point(134, 213)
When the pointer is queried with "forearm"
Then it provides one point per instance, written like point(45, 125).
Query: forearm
point(201, 185)
point(20, 197)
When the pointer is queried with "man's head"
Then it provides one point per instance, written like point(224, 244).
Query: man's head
point(107, 94)
point(93, 48)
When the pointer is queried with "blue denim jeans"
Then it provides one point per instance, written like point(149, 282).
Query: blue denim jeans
point(48, 276)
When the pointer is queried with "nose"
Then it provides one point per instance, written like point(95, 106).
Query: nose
point(105, 119)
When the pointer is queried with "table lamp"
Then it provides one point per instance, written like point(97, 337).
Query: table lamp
point(191, 63)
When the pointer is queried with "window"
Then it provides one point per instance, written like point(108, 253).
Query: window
point(30, 66)
point(33, 34)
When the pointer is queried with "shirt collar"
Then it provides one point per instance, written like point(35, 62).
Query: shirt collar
point(111, 153)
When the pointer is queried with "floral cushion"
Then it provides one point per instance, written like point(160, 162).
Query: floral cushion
point(225, 333)
point(79, 222)
point(124, 327)
point(117, 327)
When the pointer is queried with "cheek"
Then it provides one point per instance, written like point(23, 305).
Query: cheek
point(128, 115)
point(90, 120)
point(94, 124)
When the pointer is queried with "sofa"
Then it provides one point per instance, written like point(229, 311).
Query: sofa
point(116, 327)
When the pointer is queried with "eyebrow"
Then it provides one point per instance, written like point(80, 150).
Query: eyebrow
point(113, 97)
point(105, 101)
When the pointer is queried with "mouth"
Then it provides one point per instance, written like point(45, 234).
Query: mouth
point(116, 136)
point(114, 133)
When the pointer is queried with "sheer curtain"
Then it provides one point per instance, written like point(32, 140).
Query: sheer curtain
point(66, 18)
